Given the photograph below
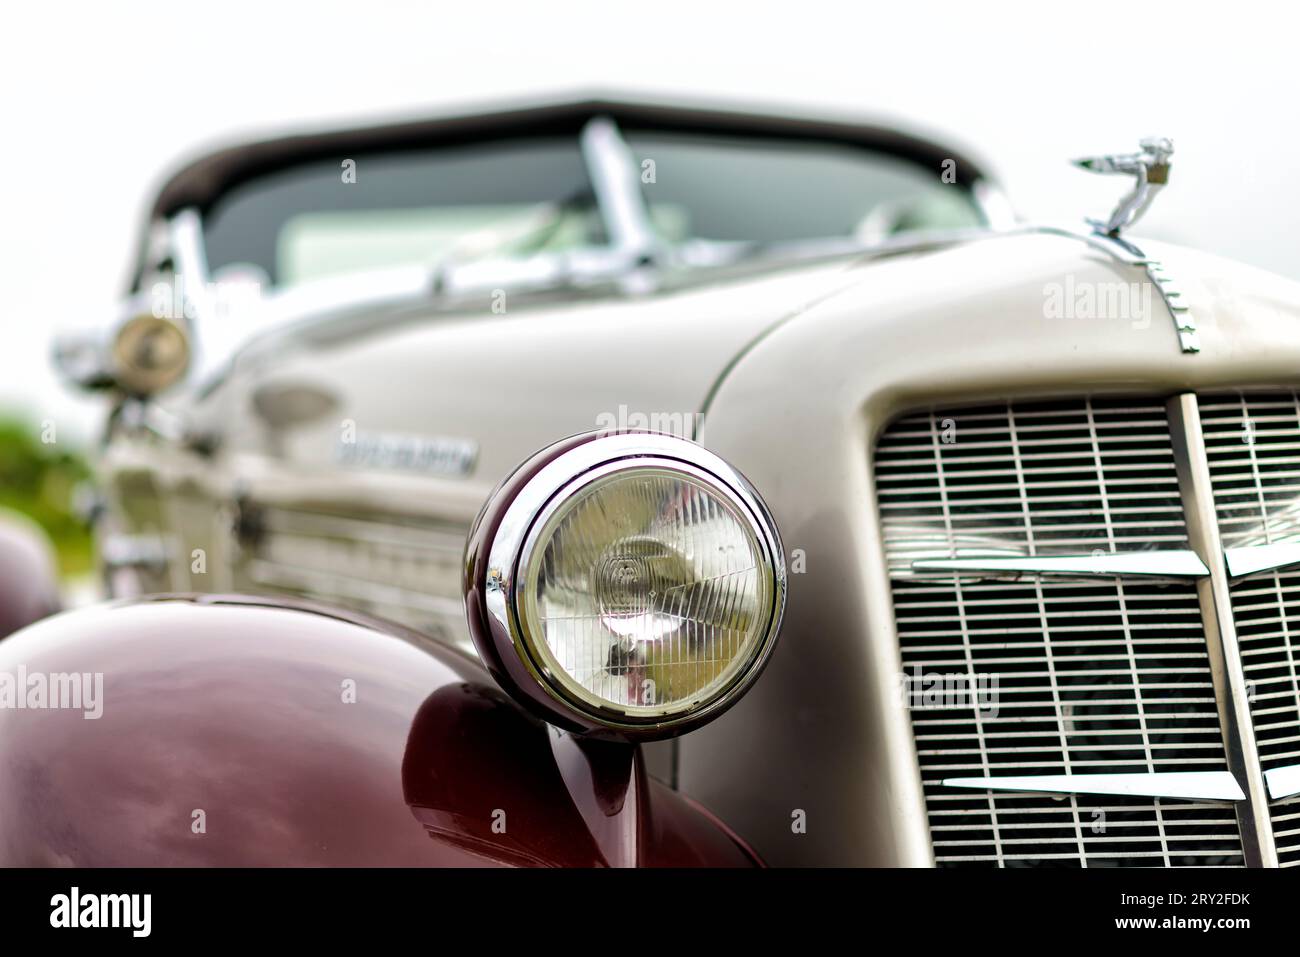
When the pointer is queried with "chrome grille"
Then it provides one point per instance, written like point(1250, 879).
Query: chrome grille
point(1032, 830)
point(393, 567)
point(1253, 444)
point(1096, 676)
point(1091, 676)
point(1030, 479)
point(1268, 628)
point(1286, 831)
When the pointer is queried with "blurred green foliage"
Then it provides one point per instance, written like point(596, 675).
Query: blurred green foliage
point(40, 480)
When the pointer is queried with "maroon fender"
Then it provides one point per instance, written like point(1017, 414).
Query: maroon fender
point(29, 578)
point(244, 731)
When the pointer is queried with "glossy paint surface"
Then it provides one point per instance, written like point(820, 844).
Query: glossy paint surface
point(234, 732)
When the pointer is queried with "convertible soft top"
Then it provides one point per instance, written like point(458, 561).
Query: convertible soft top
point(200, 183)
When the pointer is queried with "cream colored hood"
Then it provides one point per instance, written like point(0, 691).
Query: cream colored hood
point(509, 383)
point(973, 318)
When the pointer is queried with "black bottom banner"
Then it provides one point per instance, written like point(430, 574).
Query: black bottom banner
point(541, 907)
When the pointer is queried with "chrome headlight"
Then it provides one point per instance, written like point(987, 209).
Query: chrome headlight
point(149, 354)
point(636, 579)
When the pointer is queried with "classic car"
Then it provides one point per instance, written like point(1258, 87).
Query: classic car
point(622, 482)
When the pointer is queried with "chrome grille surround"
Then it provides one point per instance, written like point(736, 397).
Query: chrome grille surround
point(1100, 675)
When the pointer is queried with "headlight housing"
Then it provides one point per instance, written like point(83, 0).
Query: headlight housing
point(629, 583)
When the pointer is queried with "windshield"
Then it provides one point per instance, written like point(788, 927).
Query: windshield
point(735, 188)
point(522, 196)
point(403, 208)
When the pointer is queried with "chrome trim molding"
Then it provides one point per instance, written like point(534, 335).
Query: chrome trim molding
point(190, 262)
point(1171, 293)
point(1227, 673)
point(1252, 559)
point(1125, 252)
point(614, 179)
point(1243, 561)
point(1164, 564)
point(1189, 786)
point(144, 551)
point(1283, 782)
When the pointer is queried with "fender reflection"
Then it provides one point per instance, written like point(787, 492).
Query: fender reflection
point(239, 708)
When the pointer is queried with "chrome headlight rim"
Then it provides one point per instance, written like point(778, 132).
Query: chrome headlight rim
point(516, 537)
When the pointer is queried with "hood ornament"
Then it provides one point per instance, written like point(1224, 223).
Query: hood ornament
point(1150, 168)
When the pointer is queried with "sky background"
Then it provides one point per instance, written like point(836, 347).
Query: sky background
point(100, 102)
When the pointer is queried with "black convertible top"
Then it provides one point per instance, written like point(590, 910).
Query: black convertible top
point(200, 183)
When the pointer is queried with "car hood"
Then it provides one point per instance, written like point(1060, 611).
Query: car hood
point(508, 374)
point(505, 374)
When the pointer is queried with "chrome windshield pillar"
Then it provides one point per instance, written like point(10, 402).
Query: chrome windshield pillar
point(614, 179)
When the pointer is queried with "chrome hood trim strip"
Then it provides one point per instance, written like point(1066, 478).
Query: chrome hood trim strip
point(1251, 559)
point(1283, 782)
point(1164, 564)
point(1186, 786)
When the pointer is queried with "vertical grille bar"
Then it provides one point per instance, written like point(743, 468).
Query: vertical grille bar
point(1229, 678)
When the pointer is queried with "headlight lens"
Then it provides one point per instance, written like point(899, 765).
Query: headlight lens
point(150, 354)
point(647, 591)
point(629, 582)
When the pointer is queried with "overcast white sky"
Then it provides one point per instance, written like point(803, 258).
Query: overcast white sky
point(101, 100)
